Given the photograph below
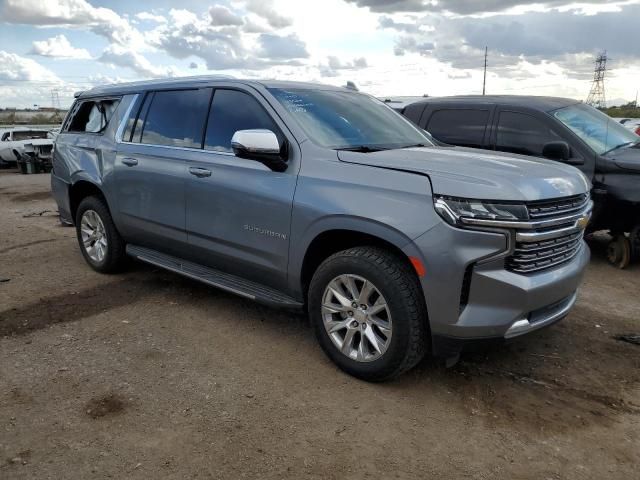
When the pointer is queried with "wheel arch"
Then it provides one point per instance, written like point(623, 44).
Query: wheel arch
point(81, 189)
point(336, 234)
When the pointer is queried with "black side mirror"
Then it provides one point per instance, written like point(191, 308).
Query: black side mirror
point(557, 151)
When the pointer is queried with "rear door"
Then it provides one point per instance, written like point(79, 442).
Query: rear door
point(238, 210)
point(150, 166)
point(465, 126)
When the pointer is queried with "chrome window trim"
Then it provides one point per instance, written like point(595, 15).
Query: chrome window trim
point(124, 120)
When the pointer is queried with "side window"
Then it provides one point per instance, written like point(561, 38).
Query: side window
point(92, 116)
point(522, 133)
point(232, 110)
point(414, 111)
point(176, 118)
point(459, 127)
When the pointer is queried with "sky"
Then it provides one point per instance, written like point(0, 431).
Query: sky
point(387, 48)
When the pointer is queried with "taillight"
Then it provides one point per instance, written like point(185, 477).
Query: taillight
point(638, 130)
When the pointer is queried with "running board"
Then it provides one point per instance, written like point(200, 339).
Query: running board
point(215, 278)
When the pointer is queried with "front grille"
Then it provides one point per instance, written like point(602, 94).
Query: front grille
point(536, 255)
point(556, 208)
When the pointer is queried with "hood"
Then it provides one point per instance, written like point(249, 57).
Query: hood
point(627, 158)
point(472, 173)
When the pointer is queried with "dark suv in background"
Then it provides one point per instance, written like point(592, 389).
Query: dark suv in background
point(559, 129)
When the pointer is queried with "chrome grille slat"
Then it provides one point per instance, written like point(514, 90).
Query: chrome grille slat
point(560, 244)
point(557, 207)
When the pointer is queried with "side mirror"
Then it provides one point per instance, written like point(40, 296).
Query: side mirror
point(561, 152)
point(261, 145)
point(557, 151)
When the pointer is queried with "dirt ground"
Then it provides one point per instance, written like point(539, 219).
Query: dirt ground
point(149, 375)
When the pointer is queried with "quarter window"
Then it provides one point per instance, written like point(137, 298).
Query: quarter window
point(92, 116)
point(459, 127)
point(522, 133)
point(232, 110)
point(176, 118)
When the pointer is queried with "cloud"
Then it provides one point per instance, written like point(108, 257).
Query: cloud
point(122, 57)
point(265, 10)
point(16, 68)
point(514, 40)
point(221, 15)
point(460, 7)
point(71, 13)
point(150, 17)
point(58, 47)
point(224, 47)
point(193, 65)
point(334, 65)
point(276, 47)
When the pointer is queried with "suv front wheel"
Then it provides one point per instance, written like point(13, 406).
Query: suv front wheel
point(368, 313)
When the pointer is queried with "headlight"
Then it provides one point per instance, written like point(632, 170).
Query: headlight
point(456, 210)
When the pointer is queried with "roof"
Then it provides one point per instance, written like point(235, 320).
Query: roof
point(545, 104)
point(186, 82)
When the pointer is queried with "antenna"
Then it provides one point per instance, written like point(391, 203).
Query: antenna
point(596, 96)
point(484, 81)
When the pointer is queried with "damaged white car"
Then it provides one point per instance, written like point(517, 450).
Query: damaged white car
point(14, 141)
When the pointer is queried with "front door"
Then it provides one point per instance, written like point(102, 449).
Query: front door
point(239, 211)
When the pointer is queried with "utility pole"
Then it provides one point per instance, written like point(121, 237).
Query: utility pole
point(484, 81)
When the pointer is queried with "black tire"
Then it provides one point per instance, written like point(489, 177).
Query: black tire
point(115, 257)
point(399, 285)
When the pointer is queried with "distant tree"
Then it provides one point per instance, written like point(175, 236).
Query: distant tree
point(629, 110)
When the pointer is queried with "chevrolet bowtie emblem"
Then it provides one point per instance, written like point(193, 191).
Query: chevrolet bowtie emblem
point(583, 221)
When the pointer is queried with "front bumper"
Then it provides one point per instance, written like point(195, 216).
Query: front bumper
point(470, 296)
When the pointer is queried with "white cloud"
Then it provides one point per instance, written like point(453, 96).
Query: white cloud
point(123, 57)
point(59, 47)
point(150, 17)
point(221, 15)
point(16, 68)
point(266, 10)
point(72, 13)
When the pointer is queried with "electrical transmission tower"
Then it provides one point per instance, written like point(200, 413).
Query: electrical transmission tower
point(55, 99)
point(596, 96)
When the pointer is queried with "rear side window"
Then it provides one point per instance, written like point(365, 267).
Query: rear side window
point(232, 110)
point(459, 127)
point(522, 133)
point(92, 116)
point(175, 118)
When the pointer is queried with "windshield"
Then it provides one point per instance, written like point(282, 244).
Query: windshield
point(601, 132)
point(349, 120)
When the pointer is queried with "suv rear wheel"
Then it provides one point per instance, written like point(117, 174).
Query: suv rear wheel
point(368, 313)
point(100, 242)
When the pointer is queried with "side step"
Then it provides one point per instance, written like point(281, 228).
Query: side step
point(215, 278)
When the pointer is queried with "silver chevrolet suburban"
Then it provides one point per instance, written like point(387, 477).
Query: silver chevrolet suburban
point(322, 198)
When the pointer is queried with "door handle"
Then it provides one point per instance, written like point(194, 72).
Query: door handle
point(130, 162)
point(199, 172)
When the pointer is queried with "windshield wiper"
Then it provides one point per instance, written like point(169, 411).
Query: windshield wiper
point(619, 146)
point(362, 149)
point(414, 145)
